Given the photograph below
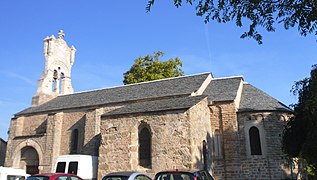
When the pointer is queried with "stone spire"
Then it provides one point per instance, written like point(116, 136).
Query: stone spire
point(56, 77)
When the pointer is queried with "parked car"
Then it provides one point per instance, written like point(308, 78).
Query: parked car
point(183, 175)
point(132, 175)
point(54, 176)
point(10, 173)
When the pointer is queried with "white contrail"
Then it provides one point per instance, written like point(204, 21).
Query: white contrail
point(208, 43)
point(21, 77)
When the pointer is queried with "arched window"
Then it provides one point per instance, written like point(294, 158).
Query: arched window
point(144, 147)
point(61, 84)
point(255, 142)
point(205, 161)
point(55, 83)
point(217, 144)
point(74, 142)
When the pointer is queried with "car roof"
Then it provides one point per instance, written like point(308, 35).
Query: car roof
point(123, 173)
point(180, 170)
point(53, 174)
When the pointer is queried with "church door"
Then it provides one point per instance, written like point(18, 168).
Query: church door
point(30, 159)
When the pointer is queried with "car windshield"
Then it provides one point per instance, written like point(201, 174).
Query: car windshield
point(174, 176)
point(15, 177)
point(115, 178)
point(38, 178)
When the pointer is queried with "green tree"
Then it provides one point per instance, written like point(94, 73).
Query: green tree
point(257, 13)
point(300, 133)
point(149, 68)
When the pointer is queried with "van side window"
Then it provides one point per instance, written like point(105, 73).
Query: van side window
point(72, 168)
point(61, 167)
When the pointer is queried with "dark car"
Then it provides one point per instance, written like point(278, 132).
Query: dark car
point(131, 175)
point(183, 175)
point(54, 176)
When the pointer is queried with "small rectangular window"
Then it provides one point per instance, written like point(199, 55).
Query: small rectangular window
point(73, 167)
point(61, 167)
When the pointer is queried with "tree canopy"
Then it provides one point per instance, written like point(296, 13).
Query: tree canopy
point(149, 68)
point(300, 134)
point(257, 13)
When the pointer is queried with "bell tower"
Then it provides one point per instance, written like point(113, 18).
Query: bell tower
point(56, 77)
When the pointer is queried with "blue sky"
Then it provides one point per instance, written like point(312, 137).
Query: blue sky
point(109, 35)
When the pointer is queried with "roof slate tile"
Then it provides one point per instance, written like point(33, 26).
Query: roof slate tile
point(253, 99)
point(158, 105)
point(184, 85)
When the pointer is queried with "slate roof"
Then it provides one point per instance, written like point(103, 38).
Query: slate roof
point(253, 99)
point(223, 89)
point(158, 105)
point(184, 85)
point(219, 89)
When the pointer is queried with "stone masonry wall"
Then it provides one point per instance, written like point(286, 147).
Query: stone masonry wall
point(119, 147)
point(71, 121)
point(18, 136)
point(271, 164)
point(236, 161)
point(224, 118)
point(199, 117)
point(36, 125)
point(176, 140)
point(50, 135)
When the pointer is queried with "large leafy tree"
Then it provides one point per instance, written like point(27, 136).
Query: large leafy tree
point(150, 68)
point(257, 13)
point(300, 134)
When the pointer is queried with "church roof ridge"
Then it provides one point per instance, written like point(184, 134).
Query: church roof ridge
point(223, 89)
point(228, 77)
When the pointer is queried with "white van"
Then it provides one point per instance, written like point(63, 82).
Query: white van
point(85, 166)
point(9, 173)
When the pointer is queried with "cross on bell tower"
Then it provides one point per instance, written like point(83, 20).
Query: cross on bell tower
point(56, 77)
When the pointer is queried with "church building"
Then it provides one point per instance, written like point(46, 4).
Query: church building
point(225, 125)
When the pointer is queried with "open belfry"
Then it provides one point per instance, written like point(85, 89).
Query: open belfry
point(56, 77)
point(224, 124)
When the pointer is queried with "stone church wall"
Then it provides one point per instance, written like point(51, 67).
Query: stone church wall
point(119, 146)
point(176, 140)
point(51, 133)
point(72, 121)
point(224, 120)
point(236, 160)
point(200, 131)
point(271, 164)
point(22, 129)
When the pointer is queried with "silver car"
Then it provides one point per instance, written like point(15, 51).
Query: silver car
point(128, 175)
